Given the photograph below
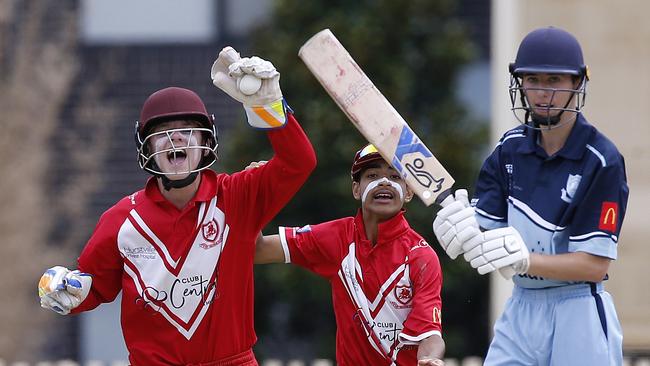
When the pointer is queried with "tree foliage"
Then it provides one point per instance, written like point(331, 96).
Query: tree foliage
point(413, 52)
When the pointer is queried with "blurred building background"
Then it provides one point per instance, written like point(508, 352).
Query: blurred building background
point(74, 73)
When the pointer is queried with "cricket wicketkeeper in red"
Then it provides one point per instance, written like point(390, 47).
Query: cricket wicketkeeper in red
point(181, 249)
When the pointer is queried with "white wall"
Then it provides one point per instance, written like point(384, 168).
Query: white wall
point(147, 21)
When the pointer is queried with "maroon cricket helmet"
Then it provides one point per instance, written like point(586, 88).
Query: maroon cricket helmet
point(173, 103)
point(368, 154)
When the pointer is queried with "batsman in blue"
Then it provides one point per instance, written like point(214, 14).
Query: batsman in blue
point(547, 212)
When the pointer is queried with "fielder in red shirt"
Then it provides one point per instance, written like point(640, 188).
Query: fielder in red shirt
point(181, 250)
point(385, 277)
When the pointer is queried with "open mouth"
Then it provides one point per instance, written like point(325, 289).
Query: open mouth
point(176, 157)
point(383, 195)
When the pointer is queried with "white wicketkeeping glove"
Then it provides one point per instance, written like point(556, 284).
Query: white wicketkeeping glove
point(265, 108)
point(498, 249)
point(455, 224)
point(62, 290)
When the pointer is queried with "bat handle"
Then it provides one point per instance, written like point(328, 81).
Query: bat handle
point(445, 198)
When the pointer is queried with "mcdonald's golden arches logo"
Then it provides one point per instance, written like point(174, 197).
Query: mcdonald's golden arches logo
point(608, 216)
point(437, 315)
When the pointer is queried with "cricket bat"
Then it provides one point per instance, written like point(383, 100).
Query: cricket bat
point(374, 116)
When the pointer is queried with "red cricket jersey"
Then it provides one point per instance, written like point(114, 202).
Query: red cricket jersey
point(386, 297)
point(186, 276)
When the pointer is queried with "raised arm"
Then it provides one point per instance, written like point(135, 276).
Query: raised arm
point(263, 193)
point(265, 108)
point(268, 249)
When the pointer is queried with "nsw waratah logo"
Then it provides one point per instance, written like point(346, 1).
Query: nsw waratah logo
point(572, 184)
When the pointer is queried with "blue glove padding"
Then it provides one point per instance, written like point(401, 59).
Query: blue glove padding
point(62, 290)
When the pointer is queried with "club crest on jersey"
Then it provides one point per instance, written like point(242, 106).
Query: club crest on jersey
point(572, 183)
point(211, 235)
point(403, 294)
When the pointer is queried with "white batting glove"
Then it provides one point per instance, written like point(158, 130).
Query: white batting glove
point(62, 290)
point(497, 249)
point(455, 224)
point(265, 108)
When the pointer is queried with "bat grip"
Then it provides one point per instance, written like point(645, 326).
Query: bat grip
point(444, 198)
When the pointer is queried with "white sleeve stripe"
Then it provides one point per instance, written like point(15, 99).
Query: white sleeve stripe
point(416, 339)
point(285, 246)
point(483, 213)
point(593, 234)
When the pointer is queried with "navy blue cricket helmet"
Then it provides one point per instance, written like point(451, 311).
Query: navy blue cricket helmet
point(547, 50)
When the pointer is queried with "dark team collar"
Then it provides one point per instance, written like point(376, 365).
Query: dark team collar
point(205, 192)
point(575, 145)
point(388, 230)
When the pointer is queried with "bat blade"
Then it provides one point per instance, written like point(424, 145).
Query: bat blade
point(374, 116)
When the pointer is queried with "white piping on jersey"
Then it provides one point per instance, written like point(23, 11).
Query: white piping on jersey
point(156, 240)
point(357, 268)
point(509, 137)
point(483, 213)
point(353, 288)
point(584, 237)
point(533, 216)
point(598, 155)
point(348, 272)
point(383, 288)
point(283, 242)
point(415, 340)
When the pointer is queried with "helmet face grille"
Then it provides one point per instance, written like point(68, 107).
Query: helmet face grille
point(171, 104)
point(524, 113)
point(207, 150)
point(547, 50)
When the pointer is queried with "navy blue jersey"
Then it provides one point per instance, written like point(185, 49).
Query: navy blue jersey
point(573, 201)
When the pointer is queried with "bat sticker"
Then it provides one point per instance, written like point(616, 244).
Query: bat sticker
point(409, 143)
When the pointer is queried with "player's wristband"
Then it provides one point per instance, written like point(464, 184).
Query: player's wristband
point(268, 116)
